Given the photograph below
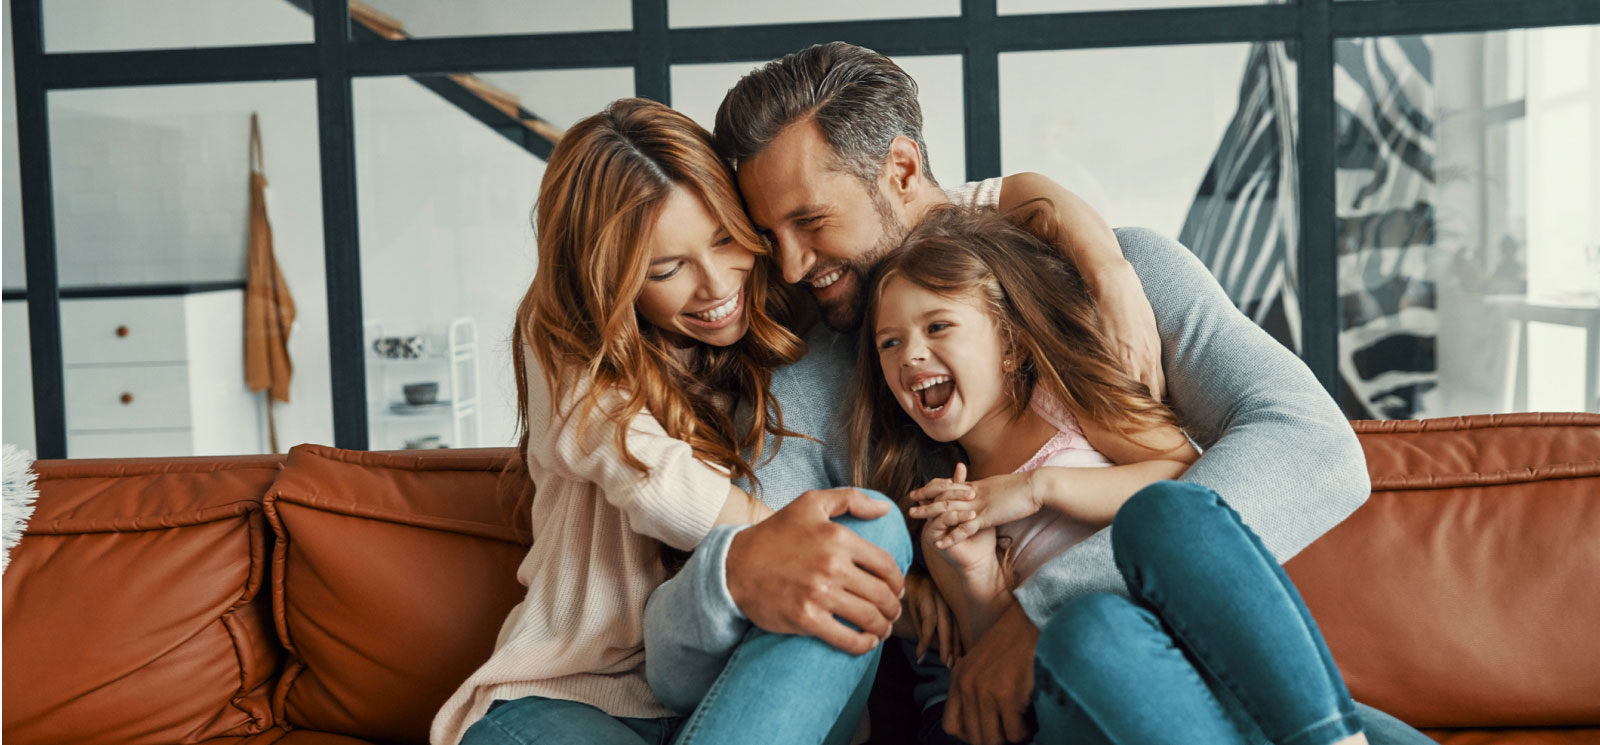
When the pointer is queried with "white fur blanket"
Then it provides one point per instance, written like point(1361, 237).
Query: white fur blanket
point(19, 496)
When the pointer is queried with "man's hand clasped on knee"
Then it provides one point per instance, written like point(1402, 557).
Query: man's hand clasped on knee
point(798, 572)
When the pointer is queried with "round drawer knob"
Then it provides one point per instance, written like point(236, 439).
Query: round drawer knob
point(127, 398)
point(122, 332)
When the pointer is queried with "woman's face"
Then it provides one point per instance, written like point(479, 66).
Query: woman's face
point(694, 286)
point(943, 359)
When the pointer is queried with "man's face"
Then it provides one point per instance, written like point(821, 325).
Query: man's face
point(830, 227)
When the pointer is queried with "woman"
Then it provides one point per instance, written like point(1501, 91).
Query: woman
point(644, 351)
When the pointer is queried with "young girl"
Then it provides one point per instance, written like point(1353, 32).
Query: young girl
point(649, 321)
point(981, 347)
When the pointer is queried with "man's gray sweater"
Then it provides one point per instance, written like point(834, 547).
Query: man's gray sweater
point(1274, 445)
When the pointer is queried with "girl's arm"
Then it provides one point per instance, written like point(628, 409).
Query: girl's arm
point(1093, 495)
point(1090, 495)
point(1083, 236)
point(970, 579)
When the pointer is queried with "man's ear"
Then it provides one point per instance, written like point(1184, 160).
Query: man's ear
point(903, 168)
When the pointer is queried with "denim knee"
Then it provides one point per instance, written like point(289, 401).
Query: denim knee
point(1090, 634)
point(1153, 520)
point(888, 532)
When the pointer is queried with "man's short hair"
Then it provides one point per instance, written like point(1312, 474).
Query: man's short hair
point(860, 100)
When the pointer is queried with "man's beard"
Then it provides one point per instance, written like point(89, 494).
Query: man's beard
point(845, 313)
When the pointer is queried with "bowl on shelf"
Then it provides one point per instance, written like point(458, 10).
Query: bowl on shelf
point(420, 394)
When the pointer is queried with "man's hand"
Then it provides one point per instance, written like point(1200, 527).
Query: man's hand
point(795, 571)
point(1130, 324)
point(992, 685)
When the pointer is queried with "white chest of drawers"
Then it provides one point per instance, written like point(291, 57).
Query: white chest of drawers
point(157, 376)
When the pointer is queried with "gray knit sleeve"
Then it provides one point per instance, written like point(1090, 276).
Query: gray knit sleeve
point(1274, 443)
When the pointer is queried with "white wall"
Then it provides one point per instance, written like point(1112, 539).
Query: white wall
point(697, 90)
point(1132, 131)
point(474, 17)
point(96, 25)
point(11, 272)
point(443, 204)
point(682, 13)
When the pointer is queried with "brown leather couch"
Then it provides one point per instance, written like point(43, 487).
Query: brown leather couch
point(339, 597)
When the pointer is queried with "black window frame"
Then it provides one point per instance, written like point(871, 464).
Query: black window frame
point(651, 47)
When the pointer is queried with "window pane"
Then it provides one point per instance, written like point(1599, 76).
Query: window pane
point(1469, 272)
point(427, 18)
point(1192, 141)
point(1012, 7)
point(13, 272)
point(447, 250)
point(152, 217)
point(18, 375)
point(106, 25)
point(685, 13)
point(698, 90)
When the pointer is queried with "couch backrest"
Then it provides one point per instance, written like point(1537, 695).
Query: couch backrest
point(1462, 595)
point(132, 605)
point(1466, 592)
point(391, 576)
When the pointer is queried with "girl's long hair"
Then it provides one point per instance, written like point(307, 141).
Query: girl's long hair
point(602, 192)
point(1046, 315)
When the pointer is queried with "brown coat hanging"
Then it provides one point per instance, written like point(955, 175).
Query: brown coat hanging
point(268, 306)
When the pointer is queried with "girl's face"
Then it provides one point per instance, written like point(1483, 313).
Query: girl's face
point(694, 286)
point(943, 357)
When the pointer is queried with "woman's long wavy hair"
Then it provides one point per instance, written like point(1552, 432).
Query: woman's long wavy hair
point(602, 193)
point(1043, 310)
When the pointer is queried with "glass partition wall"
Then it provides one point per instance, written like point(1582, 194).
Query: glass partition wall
point(1402, 191)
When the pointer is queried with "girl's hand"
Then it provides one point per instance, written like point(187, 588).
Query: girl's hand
point(958, 509)
point(932, 618)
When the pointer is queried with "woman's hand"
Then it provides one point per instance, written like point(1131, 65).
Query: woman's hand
point(932, 619)
point(957, 509)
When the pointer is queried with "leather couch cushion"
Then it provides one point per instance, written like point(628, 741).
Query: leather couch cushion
point(392, 575)
point(132, 611)
point(279, 736)
point(1572, 736)
point(1464, 593)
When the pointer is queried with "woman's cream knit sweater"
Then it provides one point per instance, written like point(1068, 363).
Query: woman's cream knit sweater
point(578, 635)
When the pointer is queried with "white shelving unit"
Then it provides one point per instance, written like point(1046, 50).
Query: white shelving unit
point(455, 418)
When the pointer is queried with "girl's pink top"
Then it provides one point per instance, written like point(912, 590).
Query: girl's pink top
point(1034, 540)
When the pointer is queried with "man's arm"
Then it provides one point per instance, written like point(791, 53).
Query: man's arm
point(1276, 445)
point(797, 572)
point(691, 626)
point(1083, 236)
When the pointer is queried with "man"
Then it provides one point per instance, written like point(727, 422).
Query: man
point(830, 158)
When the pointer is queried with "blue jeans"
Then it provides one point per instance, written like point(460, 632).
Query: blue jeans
point(776, 688)
point(1213, 646)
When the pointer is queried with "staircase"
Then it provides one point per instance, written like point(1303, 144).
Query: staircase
point(495, 108)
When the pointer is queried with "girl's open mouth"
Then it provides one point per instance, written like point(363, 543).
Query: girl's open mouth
point(933, 393)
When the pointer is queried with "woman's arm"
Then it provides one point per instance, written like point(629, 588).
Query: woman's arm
point(1087, 241)
point(677, 500)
